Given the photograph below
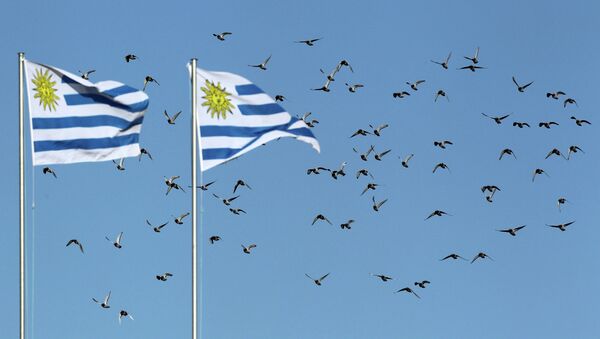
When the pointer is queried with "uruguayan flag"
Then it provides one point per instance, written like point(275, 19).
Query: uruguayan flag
point(75, 120)
point(235, 116)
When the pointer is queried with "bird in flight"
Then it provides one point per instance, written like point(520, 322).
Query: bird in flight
point(360, 132)
point(364, 172)
point(574, 149)
point(547, 124)
point(370, 186)
point(279, 97)
point(444, 63)
point(406, 160)
point(316, 170)
point(379, 156)
point(415, 84)
point(472, 68)
point(561, 201)
point(442, 144)
point(498, 120)
point(364, 156)
point(221, 36)
point(163, 277)
point(170, 182)
point(580, 122)
point(156, 228)
point(124, 314)
point(117, 241)
point(347, 224)
point(319, 281)
point(120, 164)
point(148, 79)
point(179, 219)
point(441, 93)
point(262, 65)
point(340, 171)
point(47, 170)
point(442, 166)
point(453, 256)
point(519, 87)
point(144, 151)
point(520, 124)
point(104, 303)
point(309, 42)
point(422, 284)
point(555, 95)
point(538, 171)
point(237, 211)
point(130, 57)
point(482, 256)
point(86, 75)
point(239, 183)
point(204, 187)
point(474, 59)
point(324, 88)
point(556, 152)
point(171, 120)
point(512, 231)
point(354, 87)
point(321, 217)
point(408, 290)
point(383, 277)
point(562, 227)
point(569, 101)
point(76, 242)
point(227, 201)
point(377, 205)
point(311, 123)
point(377, 130)
point(437, 213)
point(400, 94)
point(214, 238)
point(248, 249)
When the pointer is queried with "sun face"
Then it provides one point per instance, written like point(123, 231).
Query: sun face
point(44, 86)
point(216, 99)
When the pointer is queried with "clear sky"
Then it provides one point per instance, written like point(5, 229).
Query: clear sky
point(542, 283)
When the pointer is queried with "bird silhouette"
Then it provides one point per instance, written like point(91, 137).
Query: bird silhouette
point(309, 42)
point(221, 36)
point(512, 231)
point(76, 242)
point(444, 63)
point(262, 65)
point(319, 281)
point(104, 303)
point(562, 227)
point(521, 88)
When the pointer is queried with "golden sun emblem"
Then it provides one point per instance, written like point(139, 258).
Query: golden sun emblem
point(44, 86)
point(216, 99)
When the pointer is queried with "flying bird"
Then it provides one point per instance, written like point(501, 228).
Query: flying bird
point(163, 277)
point(171, 120)
point(538, 171)
point(179, 219)
point(339, 172)
point(442, 166)
point(437, 213)
point(442, 144)
point(520, 124)
point(360, 132)
point(364, 172)
point(324, 88)
point(86, 75)
point(221, 36)
point(512, 231)
point(47, 170)
point(415, 84)
point(406, 160)
point(311, 123)
point(379, 156)
point(556, 152)
point(248, 249)
point(498, 120)
point(471, 68)
point(148, 79)
point(519, 87)
point(144, 151)
point(310, 42)
point(441, 93)
point(377, 205)
point(555, 95)
point(321, 217)
point(319, 281)
point(347, 224)
point(227, 201)
point(104, 303)
point(547, 124)
point(569, 101)
point(130, 57)
point(400, 94)
point(241, 183)
point(364, 156)
point(76, 242)
point(574, 149)
point(444, 63)
point(237, 211)
point(262, 65)
point(408, 290)
point(383, 277)
point(482, 256)
point(354, 87)
point(561, 201)
point(580, 122)
point(370, 186)
point(562, 227)
point(214, 238)
point(279, 97)
point(158, 228)
point(204, 187)
point(316, 170)
point(474, 59)
point(117, 241)
point(124, 314)
point(171, 184)
point(120, 164)
point(422, 284)
point(377, 130)
point(453, 256)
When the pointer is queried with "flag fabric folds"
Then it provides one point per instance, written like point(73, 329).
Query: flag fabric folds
point(236, 116)
point(74, 120)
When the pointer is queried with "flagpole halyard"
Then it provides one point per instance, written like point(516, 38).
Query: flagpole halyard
point(194, 217)
point(21, 203)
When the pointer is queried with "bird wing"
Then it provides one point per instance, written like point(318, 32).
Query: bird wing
point(476, 53)
point(485, 115)
point(107, 298)
point(324, 217)
point(527, 85)
point(448, 58)
point(504, 117)
point(233, 198)
point(408, 157)
point(323, 277)
point(119, 237)
point(176, 115)
point(309, 277)
point(267, 60)
point(236, 186)
point(515, 81)
point(520, 227)
point(381, 203)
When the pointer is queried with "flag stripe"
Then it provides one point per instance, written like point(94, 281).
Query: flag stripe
point(265, 109)
point(91, 121)
point(57, 145)
point(120, 91)
point(87, 99)
point(248, 89)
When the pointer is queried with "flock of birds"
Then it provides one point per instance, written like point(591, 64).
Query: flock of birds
point(372, 152)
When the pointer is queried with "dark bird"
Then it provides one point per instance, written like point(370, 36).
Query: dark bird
point(512, 231)
point(237, 211)
point(221, 36)
point(214, 239)
point(555, 95)
point(490, 188)
point(361, 132)
point(227, 201)
point(437, 213)
point(354, 87)
point(498, 120)
point(408, 290)
point(347, 224)
point(321, 217)
point(171, 120)
point(339, 172)
point(580, 122)
point(76, 242)
point(117, 241)
point(444, 63)
point(364, 156)
point(120, 164)
point(379, 156)
point(123, 314)
point(547, 124)
point(144, 151)
point(406, 160)
point(262, 65)
point(164, 277)
point(148, 79)
point(370, 186)
point(574, 149)
point(442, 166)
point(204, 187)
point(310, 42)
point(241, 183)
point(400, 94)
point(377, 205)
point(377, 130)
point(311, 123)
point(453, 256)
point(520, 124)
point(103, 304)
point(345, 63)
point(170, 182)
point(538, 171)
point(319, 281)
point(47, 170)
point(441, 93)
point(279, 97)
point(158, 228)
point(422, 284)
point(569, 101)
point(383, 278)
point(86, 75)
point(519, 87)
point(482, 256)
point(364, 172)
point(130, 57)
point(415, 84)
point(442, 144)
point(471, 68)
point(316, 170)
point(556, 152)
point(562, 227)
point(474, 59)
point(179, 219)
point(561, 201)
point(248, 249)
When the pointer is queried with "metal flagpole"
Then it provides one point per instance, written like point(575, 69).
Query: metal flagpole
point(21, 203)
point(194, 248)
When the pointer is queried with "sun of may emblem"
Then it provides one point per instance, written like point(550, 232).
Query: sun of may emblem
point(216, 99)
point(44, 86)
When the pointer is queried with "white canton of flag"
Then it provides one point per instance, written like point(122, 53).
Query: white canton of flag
point(75, 120)
point(235, 116)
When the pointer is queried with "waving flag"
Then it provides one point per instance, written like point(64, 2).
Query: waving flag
point(236, 116)
point(75, 120)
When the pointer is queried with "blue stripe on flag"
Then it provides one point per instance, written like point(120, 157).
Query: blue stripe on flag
point(91, 121)
point(265, 109)
point(120, 91)
point(248, 89)
point(58, 145)
point(86, 99)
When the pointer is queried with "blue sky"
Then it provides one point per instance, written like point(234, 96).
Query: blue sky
point(541, 283)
